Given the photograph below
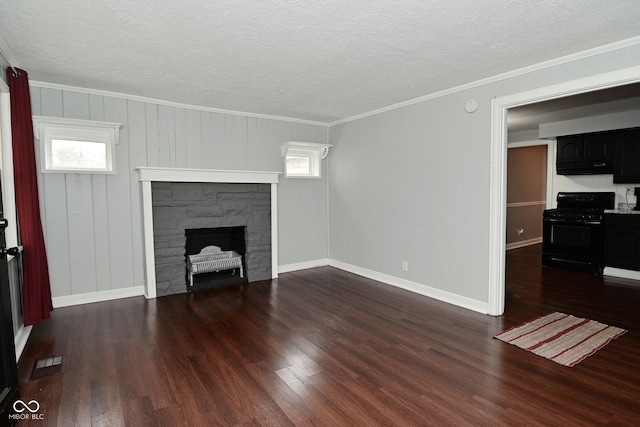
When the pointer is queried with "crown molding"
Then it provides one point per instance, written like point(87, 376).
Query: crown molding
point(99, 92)
point(6, 52)
point(499, 77)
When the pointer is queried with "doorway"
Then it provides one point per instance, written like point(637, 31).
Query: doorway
point(498, 190)
point(527, 178)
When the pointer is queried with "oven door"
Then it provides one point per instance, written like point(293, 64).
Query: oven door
point(572, 244)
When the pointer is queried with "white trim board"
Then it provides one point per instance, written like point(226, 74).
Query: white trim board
point(99, 92)
point(206, 175)
point(6, 52)
point(525, 204)
point(498, 173)
point(418, 288)
point(6, 158)
point(20, 339)
point(551, 162)
point(619, 272)
point(523, 243)
point(99, 296)
point(287, 268)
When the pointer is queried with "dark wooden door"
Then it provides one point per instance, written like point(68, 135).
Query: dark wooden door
point(8, 370)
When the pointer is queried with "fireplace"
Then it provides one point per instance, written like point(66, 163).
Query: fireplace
point(176, 200)
point(215, 257)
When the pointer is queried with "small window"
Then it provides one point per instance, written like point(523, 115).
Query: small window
point(302, 159)
point(298, 165)
point(76, 146)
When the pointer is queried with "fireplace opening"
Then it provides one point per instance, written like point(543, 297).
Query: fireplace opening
point(215, 257)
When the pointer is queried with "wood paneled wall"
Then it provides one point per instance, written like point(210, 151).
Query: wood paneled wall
point(93, 223)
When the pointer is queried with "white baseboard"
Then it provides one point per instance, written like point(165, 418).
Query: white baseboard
point(440, 295)
point(303, 265)
point(523, 243)
point(20, 339)
point(99, 296)
point(619, 272)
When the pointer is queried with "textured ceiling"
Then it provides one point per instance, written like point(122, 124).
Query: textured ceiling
point(313, 60)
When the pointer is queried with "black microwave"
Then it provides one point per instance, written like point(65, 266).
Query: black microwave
point(587, 154)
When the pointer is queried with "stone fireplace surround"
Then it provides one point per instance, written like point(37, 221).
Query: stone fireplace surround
point(148, 176)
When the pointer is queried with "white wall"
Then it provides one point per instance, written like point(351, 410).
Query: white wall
point(3, 66)
point(93, 223)
point(605, 122)
point(414, 183)
point(593, 183)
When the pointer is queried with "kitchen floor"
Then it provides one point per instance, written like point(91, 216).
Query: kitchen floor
point(533, 290)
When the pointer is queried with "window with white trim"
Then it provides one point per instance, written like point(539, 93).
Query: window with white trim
point(76, 146)
point(302, 159)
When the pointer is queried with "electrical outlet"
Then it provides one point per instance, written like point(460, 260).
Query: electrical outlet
point(405, 266)
point(521, 232)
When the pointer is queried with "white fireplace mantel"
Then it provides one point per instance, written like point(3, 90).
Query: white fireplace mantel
point(147, 175)
point(206, 175)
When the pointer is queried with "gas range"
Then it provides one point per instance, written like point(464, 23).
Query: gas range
point(572, 234)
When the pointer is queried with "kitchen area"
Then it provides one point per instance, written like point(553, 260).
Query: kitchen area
point(589, 231)
point(591, 215)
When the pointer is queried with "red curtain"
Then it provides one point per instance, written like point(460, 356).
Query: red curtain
point(36, 290)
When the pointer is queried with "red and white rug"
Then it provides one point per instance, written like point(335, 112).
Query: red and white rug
point(560, 337)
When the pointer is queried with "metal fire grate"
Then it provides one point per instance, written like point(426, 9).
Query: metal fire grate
point(46, 367)
point(212, 258)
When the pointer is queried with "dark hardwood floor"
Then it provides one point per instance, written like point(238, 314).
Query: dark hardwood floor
point(327, 348)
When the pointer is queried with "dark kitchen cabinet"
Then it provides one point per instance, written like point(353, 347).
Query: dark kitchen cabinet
point(627, 157)
point(570, 149)
point(584, 154)
point(622, 241)
point(598, 147)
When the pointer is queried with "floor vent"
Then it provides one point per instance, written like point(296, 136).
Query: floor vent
point(46, 367)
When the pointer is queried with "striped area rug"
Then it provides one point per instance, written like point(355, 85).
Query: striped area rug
point(560, 337)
